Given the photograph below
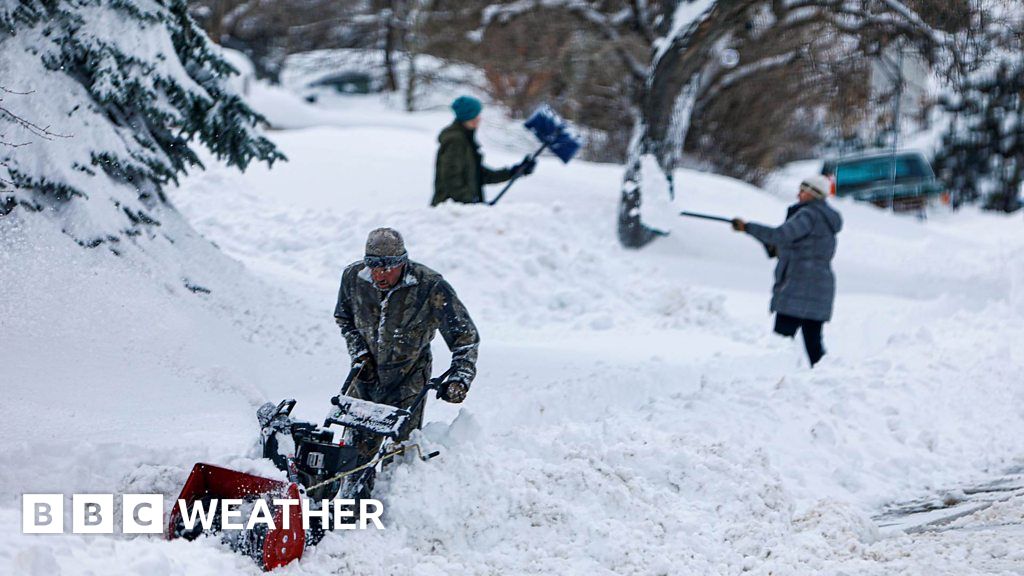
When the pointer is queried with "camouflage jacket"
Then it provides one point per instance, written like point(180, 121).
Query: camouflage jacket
point(459, 172)
point(396, 326)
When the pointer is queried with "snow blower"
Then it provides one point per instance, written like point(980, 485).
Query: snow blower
point(554, 133)
point(270, 548)
point(318, 469)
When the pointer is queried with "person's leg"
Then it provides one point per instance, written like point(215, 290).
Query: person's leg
point(786, 325)
point(400, 396)
point(367, 443)
point(408, 392)
point(812, 340)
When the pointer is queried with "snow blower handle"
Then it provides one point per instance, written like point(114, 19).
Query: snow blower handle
point(519, 172)
point(355, 372)
point(434, 384)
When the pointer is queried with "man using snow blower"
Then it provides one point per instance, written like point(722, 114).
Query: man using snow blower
point(459, 172)
point(389, 308)
point(805, 244)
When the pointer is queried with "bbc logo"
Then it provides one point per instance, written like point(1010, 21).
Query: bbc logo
point(92, 513)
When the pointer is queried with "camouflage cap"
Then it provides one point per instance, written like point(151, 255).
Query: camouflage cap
point(385, 242)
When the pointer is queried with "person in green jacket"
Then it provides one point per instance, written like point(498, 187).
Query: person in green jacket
point(459, 172)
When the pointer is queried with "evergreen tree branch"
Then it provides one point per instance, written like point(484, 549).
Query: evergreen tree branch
point(43, 132)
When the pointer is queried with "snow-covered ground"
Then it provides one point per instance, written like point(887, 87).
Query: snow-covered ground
point(632, 414)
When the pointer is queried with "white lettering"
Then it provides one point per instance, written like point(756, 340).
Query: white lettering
point(227, 513)
point(323, 513)
point(340, 514)
point(92, 513)
point(261, 514)
point(286, 511)
point(204, 514)
point(42, 513)
point(142, 513)
point(365, 515)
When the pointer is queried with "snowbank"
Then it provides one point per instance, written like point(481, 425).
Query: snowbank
point(632, 414)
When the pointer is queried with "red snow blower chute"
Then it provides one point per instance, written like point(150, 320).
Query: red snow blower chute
point(319, 468)
point(270, 548)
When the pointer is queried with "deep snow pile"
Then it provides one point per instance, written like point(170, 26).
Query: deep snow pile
point(632, 414)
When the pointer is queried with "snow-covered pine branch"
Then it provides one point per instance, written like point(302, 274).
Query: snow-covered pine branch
point(136, 86)
point(982, 155)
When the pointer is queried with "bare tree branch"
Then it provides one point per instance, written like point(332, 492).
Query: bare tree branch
point(43, 132)
point(605, 24)
point(737, 75)
point(9, 117)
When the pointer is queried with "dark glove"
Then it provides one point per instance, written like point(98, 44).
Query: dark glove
point(369, 366)
point(525, 167)
point(738, 225)
point(453, 391)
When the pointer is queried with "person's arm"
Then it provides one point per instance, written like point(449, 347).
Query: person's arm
point(524, 168)
point(357, 347)
point(490, 176)
point(459, 332)
point(453, 172)
point(792, 230)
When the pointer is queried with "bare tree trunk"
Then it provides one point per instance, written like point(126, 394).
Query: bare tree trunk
point(390, 43)
point(410, 82)
point(665, 105)
point(417, 14)
point(684, 68)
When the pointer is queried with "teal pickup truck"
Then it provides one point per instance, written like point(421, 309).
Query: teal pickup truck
point(869, 178)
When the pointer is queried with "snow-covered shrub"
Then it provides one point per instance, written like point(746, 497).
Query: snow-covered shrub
point(103, 104)
point(982, 155)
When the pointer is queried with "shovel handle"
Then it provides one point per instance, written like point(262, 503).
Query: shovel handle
point(769, 250)
point(516, 175)
point(706, 216)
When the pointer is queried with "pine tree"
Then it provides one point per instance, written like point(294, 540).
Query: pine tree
point(982, 156)
point(102, 105)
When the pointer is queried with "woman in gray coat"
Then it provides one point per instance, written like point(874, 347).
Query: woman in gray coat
point(805, 286)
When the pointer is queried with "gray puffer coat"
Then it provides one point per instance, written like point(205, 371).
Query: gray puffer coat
point(805, 286)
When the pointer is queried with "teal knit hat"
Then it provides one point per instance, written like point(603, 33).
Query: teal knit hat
point(466, 108)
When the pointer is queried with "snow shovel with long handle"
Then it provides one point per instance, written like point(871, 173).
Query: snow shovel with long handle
point(554, 133)
point(768, 249)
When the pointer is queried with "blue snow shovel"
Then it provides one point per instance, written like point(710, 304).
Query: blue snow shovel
point(553, 133)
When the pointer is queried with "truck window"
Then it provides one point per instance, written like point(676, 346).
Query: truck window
point(873, 170)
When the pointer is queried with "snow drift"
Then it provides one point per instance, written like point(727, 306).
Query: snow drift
point(632, 414)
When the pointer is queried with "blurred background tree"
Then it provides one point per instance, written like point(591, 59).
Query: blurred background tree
point(800, 79)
